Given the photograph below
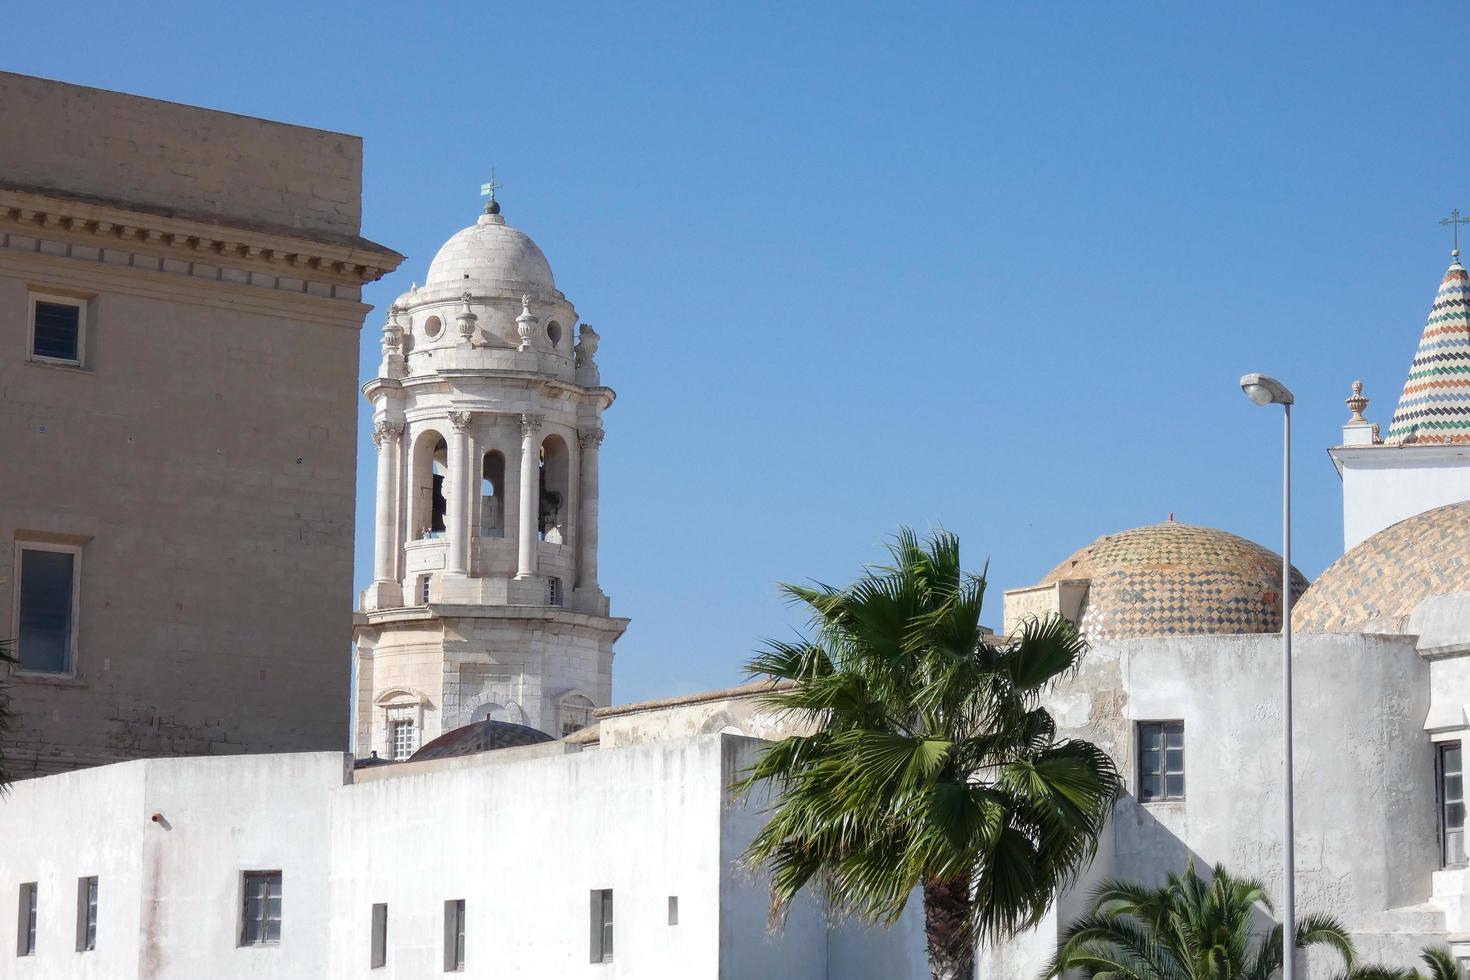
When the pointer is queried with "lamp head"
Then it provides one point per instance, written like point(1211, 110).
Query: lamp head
point(1265, 390)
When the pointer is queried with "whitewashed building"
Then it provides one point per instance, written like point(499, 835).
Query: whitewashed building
point(531, 830)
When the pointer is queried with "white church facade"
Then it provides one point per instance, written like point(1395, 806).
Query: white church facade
point(498, 817)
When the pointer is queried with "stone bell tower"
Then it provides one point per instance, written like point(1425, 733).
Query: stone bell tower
point(488, 422)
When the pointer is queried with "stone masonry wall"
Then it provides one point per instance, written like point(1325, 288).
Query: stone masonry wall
point(205, 462)
point(179, 158)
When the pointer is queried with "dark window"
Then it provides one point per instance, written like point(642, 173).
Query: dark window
point(673, 910)
point(1451, 806)
point(379, 949)
point(86, 914)
point(57, 331)
point(25, 944)
point(454, 936)
point(440, 506)
point(1160, 761)
point(262, 913)
point(602, 925)
point(46, 579)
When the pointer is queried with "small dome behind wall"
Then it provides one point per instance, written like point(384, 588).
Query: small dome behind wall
point(1377, 586)
point(1172, 579)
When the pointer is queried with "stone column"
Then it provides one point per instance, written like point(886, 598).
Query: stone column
point(530, 494)
point(457, 512)
point(587, 519)
point(573, 505)
point(386, 435)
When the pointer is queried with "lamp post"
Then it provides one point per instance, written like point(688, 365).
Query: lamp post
point(1265, 390)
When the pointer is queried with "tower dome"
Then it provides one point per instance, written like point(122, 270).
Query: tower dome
point(490, 257)
point(1173, 579)
point(1376, 586)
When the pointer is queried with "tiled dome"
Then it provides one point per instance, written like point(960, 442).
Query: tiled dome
point(480, 736)
point(1175, 579)
point(1376, 586)
point(489, 257)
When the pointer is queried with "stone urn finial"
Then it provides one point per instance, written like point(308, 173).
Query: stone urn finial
point(466, 319)
point(526, 322)
point(586, 354)
point(392, 364)
point(1356, 404)
point(392, 331)
point(586, 348)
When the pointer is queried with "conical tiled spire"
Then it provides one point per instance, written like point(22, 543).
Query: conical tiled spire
point(1435, 405)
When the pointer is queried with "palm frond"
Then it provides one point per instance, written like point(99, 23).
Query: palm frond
point(1319, 929)
point(1441, 963)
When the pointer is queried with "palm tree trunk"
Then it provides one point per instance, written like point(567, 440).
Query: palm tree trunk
point(948, 929)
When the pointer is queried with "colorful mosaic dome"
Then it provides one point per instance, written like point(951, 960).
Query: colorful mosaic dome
point(1375, 587)
point(1175, 579)
point(1435, 405)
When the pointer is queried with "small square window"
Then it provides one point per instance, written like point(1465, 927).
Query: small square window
point(602, 925)
point(1160, 761)
point(46, 607)
point(57, 325)
point(454, 936)
point(261, 920)
point(379, 951)
point(25, 944)
point(86, 914)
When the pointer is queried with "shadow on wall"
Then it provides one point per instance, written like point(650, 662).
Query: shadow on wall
point(1139, 840)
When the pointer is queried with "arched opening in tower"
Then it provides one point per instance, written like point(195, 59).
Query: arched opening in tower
point(430, 464)
point(492, 495)
point(551, 524)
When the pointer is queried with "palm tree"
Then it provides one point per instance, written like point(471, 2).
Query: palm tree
point(1439, 959)
point(932, 763)
point(1189, 929)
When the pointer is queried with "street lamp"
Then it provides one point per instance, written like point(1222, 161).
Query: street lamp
point(1265, 390)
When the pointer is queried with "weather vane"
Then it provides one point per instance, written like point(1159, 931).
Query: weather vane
point(489, 189)
point(1454, 221)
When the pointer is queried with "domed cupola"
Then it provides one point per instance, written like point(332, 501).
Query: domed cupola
point(489, 288)
point(1167, 579)
point(491, 257)
point(1380, 584)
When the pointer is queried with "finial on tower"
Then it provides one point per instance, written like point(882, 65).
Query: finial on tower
point(466, 319)
point(1356, 404)
point(489, 188)
point(526, 322)
point(1455, 221)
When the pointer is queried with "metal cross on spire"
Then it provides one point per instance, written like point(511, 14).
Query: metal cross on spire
point(489, 189)
point(1455, 221)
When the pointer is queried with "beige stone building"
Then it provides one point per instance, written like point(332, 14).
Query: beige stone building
point(180, 308)
point(488, 420)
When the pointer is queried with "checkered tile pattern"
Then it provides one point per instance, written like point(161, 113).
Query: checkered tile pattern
point(1435, 405)
point(1175, 579)
point(1381, 580)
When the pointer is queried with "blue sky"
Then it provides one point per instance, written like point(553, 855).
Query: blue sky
point(995, 267)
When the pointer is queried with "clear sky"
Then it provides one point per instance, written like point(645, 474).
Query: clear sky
point(991, 266)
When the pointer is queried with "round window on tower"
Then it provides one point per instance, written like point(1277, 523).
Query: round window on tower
point(433, 327)
point(553, 333)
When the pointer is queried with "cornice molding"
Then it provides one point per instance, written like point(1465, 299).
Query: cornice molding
point(188, 239)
